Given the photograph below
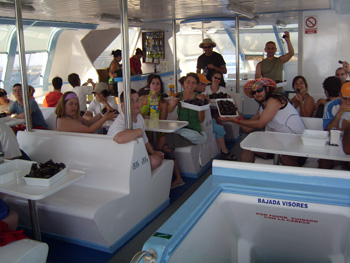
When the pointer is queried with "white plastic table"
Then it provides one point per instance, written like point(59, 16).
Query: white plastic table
point(166, 126)
point(20, 189)
point(290, 144)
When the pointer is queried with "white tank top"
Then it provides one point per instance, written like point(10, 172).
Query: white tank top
point(287, 120)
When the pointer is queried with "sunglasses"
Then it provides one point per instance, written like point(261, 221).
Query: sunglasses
point(207, 47)
point(217, 78)
point(257, 91)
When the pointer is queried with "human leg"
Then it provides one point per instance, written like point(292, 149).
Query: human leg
point(289, 160)
point(155, 161)
point(220, 132)
point(247, 156)
point(11, 220)
point(326, 164)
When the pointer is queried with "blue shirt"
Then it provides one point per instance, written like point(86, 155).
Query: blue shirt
point(330, 110)
point(37, 116)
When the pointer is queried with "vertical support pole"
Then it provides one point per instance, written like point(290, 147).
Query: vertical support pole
point(126, 63)
point(237, 56)
point(175, 55)
point(33, 212)
point(22, 62)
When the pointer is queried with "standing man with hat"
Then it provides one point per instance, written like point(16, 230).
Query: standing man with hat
point(275, 114)
point(210, 61)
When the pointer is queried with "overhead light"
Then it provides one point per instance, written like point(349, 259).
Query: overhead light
point(241, 10)
point(116, 19)
point(11, 6)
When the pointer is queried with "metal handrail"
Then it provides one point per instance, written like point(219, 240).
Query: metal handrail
point(148, 256)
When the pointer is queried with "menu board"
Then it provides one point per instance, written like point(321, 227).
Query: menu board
point(153, 46)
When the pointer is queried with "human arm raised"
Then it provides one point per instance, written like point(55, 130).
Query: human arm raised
point(258, 71)
point(285, 58)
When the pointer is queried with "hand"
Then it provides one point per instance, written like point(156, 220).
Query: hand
point(110, 115)
point(287, 35)
point(343, 108)
point(321, 102)
point(174, 101)
point(159, 153)
point(299, 98)
point(346, 66)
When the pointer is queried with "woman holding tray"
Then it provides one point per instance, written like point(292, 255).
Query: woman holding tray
point(189, 135)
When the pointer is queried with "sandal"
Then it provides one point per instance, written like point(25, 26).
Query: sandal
point(228, 156)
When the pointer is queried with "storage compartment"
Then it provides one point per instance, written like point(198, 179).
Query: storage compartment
point(315, 137)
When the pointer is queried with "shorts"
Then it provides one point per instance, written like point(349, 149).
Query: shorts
point(218, 130)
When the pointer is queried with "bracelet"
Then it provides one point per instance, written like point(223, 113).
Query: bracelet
point(239, 119)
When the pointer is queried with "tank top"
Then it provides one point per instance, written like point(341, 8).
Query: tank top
point(119, 72)
point(286, 120)
point(189, 115)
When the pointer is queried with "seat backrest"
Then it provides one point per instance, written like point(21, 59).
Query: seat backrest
point(313, 123)
point(108, 165)
point(49, 116)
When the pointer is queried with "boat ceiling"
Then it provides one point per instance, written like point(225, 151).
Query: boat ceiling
point(103, 12)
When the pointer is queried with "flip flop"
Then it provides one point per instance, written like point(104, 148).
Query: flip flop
point(228, 156)
point(177, 185)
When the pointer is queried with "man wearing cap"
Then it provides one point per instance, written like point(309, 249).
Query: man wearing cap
point(5, 103)
point(203, 83)
point(210, 61)
point(337, 110)
point(272, 67)
point(102, 100)
point(275, 114)
point(52, 98)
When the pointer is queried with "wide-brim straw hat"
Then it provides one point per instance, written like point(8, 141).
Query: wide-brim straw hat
point(258, 83)
point(207, 41)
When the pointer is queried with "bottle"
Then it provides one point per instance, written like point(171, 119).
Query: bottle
point(154, 110)
point(171, 87)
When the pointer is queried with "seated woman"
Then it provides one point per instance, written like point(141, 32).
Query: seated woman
point(218, 129)
point(303, 102)
point(192, 133)
point(5, 103)
point(155, 85)
point(102, 101)
point(68, 116)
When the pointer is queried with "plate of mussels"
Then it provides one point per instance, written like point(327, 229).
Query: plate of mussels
point(196, 104)
point(45, 174)
point(226, 107)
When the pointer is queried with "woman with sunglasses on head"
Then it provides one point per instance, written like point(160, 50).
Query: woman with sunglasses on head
point(69, 120)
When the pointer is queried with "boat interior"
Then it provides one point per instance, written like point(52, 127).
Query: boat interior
point(61, 37)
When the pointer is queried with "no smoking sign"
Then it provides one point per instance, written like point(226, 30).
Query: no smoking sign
point(310, 24)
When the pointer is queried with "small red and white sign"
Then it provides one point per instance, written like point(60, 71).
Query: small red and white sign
point(310, 24)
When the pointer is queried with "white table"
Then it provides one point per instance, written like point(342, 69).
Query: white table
point(20, 189)
point(166, 126)
point(290, 144)
point(13, 121)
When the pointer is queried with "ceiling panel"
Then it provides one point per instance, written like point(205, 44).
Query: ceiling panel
point(88, 11)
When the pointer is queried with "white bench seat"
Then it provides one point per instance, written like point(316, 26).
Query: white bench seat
point(118, 196)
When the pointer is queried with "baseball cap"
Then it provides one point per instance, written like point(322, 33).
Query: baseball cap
point(99, 87)
point(345, 90)
point(203, 79)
